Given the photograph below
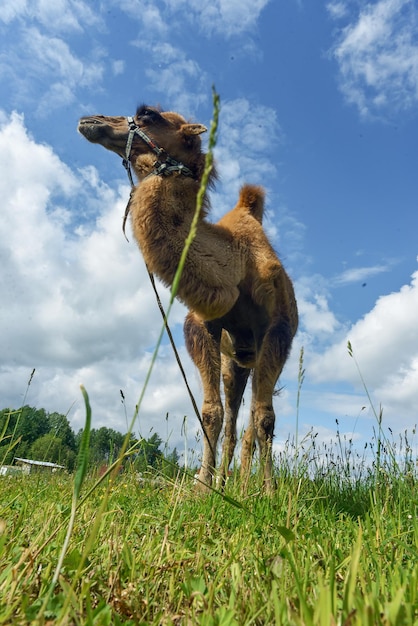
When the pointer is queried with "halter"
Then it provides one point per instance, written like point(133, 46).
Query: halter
point(161, 168)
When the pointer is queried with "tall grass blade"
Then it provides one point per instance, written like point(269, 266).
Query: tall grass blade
point(350, 585)
point(80, 474)
point(83, 455)
point(301, 378)
point(3, 437)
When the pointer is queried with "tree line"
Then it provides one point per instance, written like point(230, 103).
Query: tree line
point(32, 433)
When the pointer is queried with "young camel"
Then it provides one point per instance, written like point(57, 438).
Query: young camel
point(242, 308)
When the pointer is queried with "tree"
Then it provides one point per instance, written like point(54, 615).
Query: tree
point(33, 423)
point(53, 449)
point(105, 445)
point(24, 425)
point(60, 426)
point(149, 453)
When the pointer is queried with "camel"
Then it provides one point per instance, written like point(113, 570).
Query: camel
point(242, 309)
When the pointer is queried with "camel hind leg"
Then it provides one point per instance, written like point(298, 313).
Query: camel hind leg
point(270, 361)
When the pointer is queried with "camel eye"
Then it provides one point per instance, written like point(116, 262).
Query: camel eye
point(144, 111)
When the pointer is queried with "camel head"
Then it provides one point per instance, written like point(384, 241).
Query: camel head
point(149, 133)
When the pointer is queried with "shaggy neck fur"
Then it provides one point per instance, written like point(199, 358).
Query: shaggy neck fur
point(162, 209)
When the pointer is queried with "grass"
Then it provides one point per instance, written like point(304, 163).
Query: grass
point(325, 549)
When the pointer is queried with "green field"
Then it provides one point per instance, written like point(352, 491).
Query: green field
point(336, 544)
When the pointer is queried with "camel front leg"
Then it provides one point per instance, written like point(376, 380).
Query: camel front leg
point(247, 452)
point(203, 344)
point(234, 380)
point(264, 420)
point(212, 418)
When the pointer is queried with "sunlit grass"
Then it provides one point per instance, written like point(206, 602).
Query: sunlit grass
point(163, 555)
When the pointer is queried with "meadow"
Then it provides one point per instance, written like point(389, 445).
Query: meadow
point(336, 544)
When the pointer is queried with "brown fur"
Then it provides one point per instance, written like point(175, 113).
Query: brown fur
point(242, 308)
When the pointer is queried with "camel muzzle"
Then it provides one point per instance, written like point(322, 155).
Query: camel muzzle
point(91, 128)
point(97, 129)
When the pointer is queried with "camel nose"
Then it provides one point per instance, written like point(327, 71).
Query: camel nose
point(91, 119)
point(88, 126)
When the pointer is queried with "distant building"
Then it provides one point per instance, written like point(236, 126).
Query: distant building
point(28, 465)
point(9, 470)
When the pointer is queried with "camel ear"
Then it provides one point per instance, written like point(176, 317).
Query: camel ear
point(193, 129)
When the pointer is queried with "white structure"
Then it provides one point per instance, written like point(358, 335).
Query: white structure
point(27, 465)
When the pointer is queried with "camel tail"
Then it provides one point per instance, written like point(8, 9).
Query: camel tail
point(252, 198)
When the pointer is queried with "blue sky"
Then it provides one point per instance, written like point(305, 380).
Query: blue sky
point(319, 105)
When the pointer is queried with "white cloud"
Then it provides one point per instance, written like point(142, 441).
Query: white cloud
point(316, 316)
point(46, 65)
point(182, 83)
point(237, 16)
point(378, 56)
point(10, 10)
point(51, 55)
point(42, 60)
point(317, 323)
point(401, 388)
point(289, 233)
point(385, 346)
point(352, 405)
point(359, 274)
point(172, 73)
point(146, 12)
point(224, 17)
point(337, 10)
point(60, 15)
point(246, 134)
point(118, 67)
point(218, 17)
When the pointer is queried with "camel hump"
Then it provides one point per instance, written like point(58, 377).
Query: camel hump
point(252, 198)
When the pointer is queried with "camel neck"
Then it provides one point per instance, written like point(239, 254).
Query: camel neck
point(168, 196)
point(162, 209)
point(161, 213)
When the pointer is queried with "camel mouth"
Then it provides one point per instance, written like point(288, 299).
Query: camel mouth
point(91, 128)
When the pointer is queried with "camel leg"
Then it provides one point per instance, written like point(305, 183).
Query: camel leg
point(260, 428)
point(203, 344)
point(264, 419)
point(234, 380)
point(247, 449)
point(270, 362)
